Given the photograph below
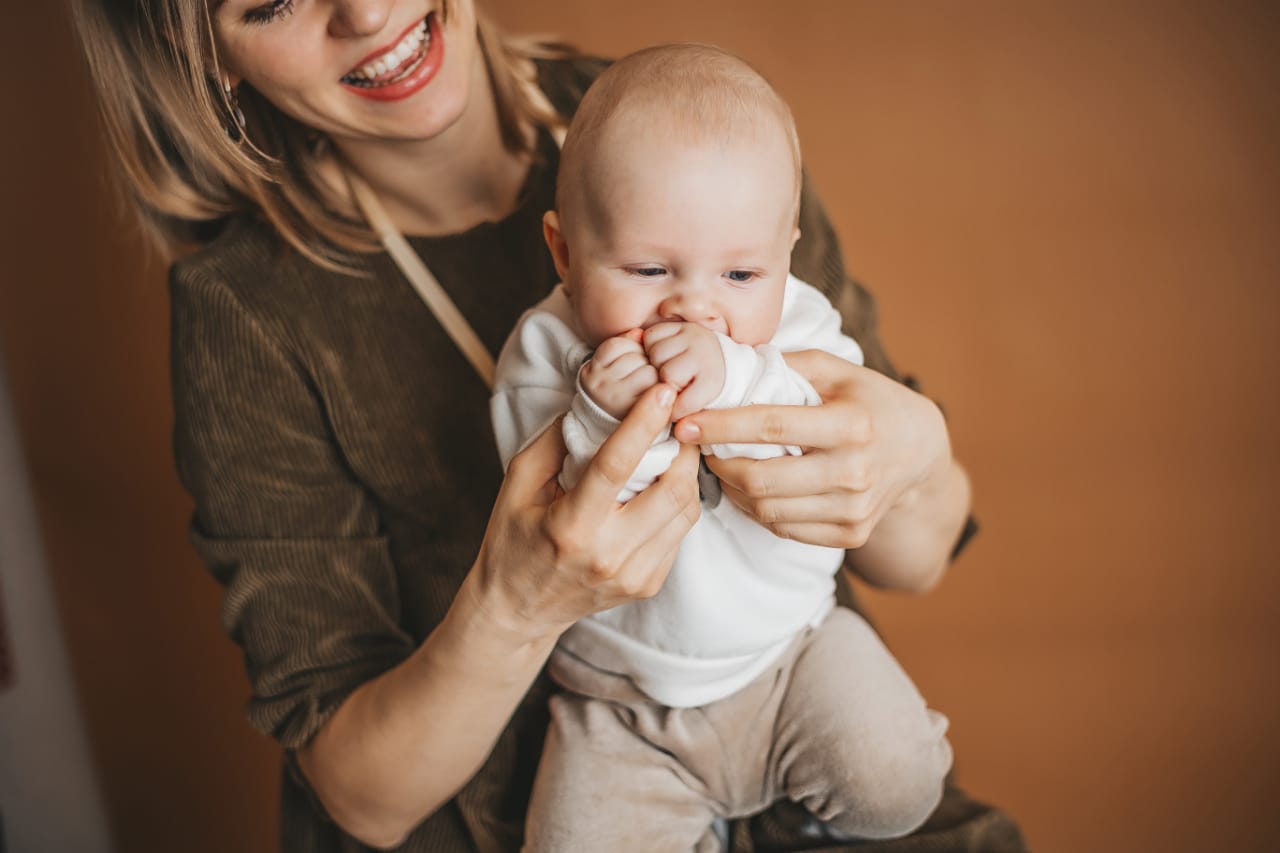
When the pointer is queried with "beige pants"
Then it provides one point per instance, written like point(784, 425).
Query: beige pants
point(835, 725)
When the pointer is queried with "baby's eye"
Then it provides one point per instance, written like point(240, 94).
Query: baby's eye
point(740, 276)
point(647, 272)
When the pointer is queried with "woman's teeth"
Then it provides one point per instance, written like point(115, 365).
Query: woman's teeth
point(411, 47)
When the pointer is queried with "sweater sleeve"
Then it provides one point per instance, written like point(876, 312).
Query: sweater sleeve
point(311, 594)
point(818, 260)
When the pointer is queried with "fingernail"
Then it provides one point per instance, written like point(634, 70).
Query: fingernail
point(666, 396)
point(687, 431)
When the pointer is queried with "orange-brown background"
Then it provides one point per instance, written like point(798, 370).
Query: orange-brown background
point(1071, 215)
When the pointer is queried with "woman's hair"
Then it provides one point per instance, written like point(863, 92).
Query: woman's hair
point(167, 118)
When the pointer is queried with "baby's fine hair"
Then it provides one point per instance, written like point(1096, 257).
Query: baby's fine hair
point(699, 92)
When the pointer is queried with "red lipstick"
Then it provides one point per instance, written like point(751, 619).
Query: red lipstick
point(418, 71)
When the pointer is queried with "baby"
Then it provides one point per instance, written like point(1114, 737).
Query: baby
point(740, 682)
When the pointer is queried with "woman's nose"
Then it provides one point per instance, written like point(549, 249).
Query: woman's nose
point(359, 17)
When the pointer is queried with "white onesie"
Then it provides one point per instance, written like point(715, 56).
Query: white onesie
point(737, 595)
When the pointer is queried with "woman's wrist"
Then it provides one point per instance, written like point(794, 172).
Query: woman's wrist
point(403, 743)
point(935, 447)
point(911, 546)
point(487, 613)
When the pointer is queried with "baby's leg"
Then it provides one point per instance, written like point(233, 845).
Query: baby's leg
point(856, 744)
point(600, 787)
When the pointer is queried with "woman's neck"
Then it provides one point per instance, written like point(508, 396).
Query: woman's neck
point(460, 178)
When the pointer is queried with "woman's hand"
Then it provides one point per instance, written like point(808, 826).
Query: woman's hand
point(874, 448)
point(404, 742)
point(550, 557)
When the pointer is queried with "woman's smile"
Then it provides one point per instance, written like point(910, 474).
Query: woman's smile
point(401, 68)
point(368, 71)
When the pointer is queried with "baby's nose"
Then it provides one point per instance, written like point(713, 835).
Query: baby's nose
point(687, 306)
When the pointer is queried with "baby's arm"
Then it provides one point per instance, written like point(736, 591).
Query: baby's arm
point(532, 387)
point(539, 378)
point(608, 385)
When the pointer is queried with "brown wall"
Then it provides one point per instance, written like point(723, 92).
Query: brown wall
point(1071, 215)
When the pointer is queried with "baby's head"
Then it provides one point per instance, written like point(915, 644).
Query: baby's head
point(678, 197)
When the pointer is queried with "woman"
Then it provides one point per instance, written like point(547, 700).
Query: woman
point(394, 596)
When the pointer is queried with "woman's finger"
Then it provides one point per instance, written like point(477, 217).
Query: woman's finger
point(618, 457)
point(647, 567)
point(624, 558)
point(827, 425)
point(531, 476)
point(826, 508)
point(794, 476)
point(673, 495)
point(828, 535)
point(827, 373)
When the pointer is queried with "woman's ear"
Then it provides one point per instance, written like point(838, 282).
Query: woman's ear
point(554, 236)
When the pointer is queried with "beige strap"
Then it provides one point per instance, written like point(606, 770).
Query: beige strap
point(422, 279)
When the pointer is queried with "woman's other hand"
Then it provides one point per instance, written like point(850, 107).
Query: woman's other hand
point(550, 557)
point(403, 743)
point(876, 475)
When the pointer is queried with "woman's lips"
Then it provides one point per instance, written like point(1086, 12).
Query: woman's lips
point(398, 71)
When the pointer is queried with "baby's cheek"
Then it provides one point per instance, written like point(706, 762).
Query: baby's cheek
point(755, 321)
point(604, 316)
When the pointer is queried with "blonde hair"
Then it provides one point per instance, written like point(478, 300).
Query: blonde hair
point(166, 119)
point(701, 92)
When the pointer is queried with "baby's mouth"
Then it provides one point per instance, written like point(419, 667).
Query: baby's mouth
point(395, 64)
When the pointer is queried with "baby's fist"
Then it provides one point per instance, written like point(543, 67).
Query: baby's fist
point(689, 357)
point(618, 373)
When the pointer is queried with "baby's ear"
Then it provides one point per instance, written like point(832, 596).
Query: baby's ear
point(554, 236)
point(795, 238)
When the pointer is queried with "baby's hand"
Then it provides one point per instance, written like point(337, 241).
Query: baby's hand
point(618, 373)
point(689, 357)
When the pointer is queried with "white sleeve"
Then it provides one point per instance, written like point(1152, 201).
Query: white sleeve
point(533, 384)
point(587, 426)
point(759, 375)
point(810, 321)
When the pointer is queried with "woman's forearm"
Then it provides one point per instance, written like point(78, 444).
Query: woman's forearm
point(402, 744)
point(910, 548)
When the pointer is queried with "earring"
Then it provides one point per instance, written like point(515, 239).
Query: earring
point(235, 124)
